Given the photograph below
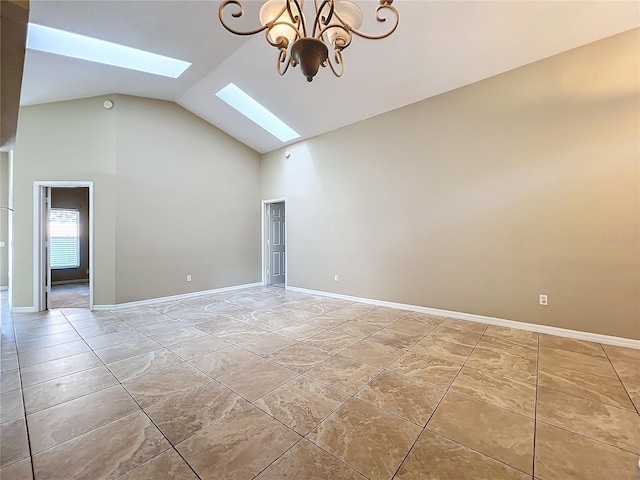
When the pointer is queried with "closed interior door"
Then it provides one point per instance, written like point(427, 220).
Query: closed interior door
point(277, 244)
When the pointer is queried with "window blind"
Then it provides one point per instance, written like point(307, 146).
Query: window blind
point(64, 238)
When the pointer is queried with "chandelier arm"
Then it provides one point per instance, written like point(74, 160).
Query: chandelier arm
point(337, 55)
point(238, 14)
point(298, 18)
point(321, 19)
point(380, 18)
point(284, 59)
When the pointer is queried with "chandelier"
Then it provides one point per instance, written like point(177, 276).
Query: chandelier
point(335, 23)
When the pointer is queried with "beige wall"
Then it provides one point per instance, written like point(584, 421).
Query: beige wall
point(4, 219)
point(482, 198)
point(188, 203)
point(173, 196)
point(76, 199)
point(72, 140)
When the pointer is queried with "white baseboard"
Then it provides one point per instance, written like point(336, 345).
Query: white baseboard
point(4, 288)
point(69, 282)
point(501, 322)
point(24, 310)
point(151, 301)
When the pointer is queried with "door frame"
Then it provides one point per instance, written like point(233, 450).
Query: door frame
point(265, 235)
point(40, 272)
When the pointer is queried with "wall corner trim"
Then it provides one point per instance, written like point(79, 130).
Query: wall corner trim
point(151, 301)
point(501, 322)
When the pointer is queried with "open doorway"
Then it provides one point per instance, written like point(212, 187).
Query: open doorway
point(274, 243)
point(63, 245)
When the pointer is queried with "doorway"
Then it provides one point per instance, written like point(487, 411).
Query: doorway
point(274, 241)
point(63, 245)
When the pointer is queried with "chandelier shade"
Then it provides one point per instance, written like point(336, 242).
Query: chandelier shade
point(335, 22)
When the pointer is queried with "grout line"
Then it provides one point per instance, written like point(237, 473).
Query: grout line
point(24, 406)
point(636, 407)
point(438, 405)
point(535, 411)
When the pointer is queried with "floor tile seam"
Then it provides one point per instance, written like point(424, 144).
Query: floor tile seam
point(42, 325)
point(419, 425)
point(86, 433)
point(175, 393)
point(296, 375)
point(532, 349)
point(13, 462)
point(219, 420)
point(113, 420)
point(636, 407)
point(308, 368)
point(75, 398)
point(171, 447)
point(306, 434)
point(503, 376)
point(125, 341)
point(301, 439)
point(19, 340)
point(520, 414)
point(632, 409)
point(205, 425)
point(448, 388)
point(530, 474)
point(348, 465)
point(47, 346)
point(535, 411)
point(533, 345)
point(508, 353)
point(181, 360)
point(19, 381)
point(58, 376)
point(24, 410)
point(509, 376)
point(549, 372)
point(93, 336)
point(561, 427)
point(575, 351)
point(224, 372)
point(372, 364)
point(422, 430)
point(354, 396)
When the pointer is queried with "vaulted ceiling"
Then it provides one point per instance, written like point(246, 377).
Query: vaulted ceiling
point(439, 46)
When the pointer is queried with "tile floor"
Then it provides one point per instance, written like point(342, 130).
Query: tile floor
point(267, 384)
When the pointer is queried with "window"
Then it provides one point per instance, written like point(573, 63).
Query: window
point(64, 238)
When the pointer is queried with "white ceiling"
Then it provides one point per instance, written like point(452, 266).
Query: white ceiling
point(439, 46)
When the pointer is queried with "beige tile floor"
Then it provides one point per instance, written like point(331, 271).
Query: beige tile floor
point(268, 384)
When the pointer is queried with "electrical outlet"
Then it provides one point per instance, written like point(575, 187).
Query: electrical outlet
point(544, 300)
point(335, 278)
point(188, 278)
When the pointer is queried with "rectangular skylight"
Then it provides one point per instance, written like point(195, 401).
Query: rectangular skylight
point(255, 112)
point(59, 42)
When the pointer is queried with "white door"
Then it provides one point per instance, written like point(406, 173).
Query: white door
point(277, 244)
point(45, 257)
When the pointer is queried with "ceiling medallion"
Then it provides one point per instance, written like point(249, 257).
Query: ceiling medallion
point(336, 21)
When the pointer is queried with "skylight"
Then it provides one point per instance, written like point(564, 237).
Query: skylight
point(59, 42)
point(255, 112)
